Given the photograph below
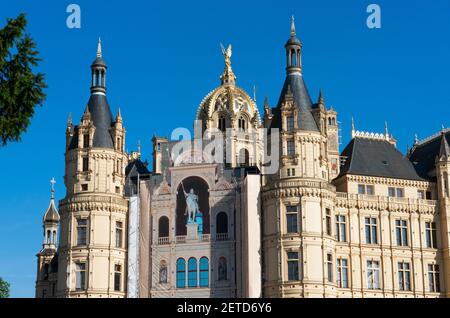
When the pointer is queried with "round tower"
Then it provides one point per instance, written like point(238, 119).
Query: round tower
point(93, 253)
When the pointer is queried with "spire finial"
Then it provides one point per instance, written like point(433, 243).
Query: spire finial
point(321, 99)
point(386, 132)
point(353, 128)
point(69, 119)
point(254, 93)
point(416, 139)
point(53, 187)
point(99, 48)
point(293, 26)
point(442, 128)
point(139, 147)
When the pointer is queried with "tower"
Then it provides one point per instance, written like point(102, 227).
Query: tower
point(443, 183)
point(297, 202)
point(47, 257)
point(92, 258)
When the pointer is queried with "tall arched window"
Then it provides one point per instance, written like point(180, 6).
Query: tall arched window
point(49, 237)
point(163, 272)
point(192, 273)
point(204, 272)
point(242, 123)
point(163, 226)
point(222, 123)
point(221, 226)
point(222, 269)
point(181, 273)
point(54, 237)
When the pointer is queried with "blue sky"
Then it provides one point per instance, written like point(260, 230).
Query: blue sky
point(164, 57)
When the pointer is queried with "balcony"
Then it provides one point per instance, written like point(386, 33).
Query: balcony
point(221, 237)
point(163, 241)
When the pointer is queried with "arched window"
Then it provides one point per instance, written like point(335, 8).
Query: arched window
point(49, 237)
point(293, 58)
point(222, 269)
point(181, 273)
point(242, 123)
point(163, 272)
point(221, 226)
point(163, 227)
point(244, 158)
point(204, 272)
point(54, 237)
point(192, 273)
point(222, 123)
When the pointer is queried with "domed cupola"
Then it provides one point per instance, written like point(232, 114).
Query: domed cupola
point(228, 106)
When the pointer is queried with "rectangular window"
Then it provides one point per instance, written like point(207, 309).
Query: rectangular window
point(80, 274)
point(366, 189)
point(85, 164)
point(84, 187)
point(293, 172)
point(373, 275)
point(290, 148)
point(328, 221)
point(391, 192)
point(371, 230)
point(290, 123)
point(361, 189)
point(342, 272)
point(433, 278)
point(119, 234)
point(293, 266)
point(81, 232)
point(404, 276)
point(340, 228)
point(86, 141)
point(330, 268)
point(117, 277)
point(430, 235)
point(401, 229)
point(420, 194)
point(428, 195)
point(292, 219)
point(396, 192)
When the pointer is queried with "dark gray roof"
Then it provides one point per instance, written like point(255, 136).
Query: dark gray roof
point(444, 150)
point(99, 61)
point(102, 118)
point(52, 214)
point(423, 157)
point(302, 100)
point(371, 157)
point(133, 169)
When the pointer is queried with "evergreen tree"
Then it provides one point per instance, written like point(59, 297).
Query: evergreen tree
point(21, 90)
point(4, 288)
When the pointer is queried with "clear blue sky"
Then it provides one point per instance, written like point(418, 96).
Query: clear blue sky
point(164, 57)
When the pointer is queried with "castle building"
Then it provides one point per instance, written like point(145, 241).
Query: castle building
point(365, 222)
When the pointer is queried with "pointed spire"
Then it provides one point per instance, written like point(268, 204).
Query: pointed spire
point(293, 27)
point(416, 139)
point(386, 131)
point(118, 116)
point(444, 152)
point(139, 147)
point(321, 100)
point(69, 119)
point(86, 114)
point(99, 48)
point(254, 93)
point(353, 128)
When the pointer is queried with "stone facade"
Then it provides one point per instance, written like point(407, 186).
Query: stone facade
point(366, 222)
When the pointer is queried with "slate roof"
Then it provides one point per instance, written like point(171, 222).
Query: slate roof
point(302, 100)
point(423, 157)
point(371, 157)
point(102, 118)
